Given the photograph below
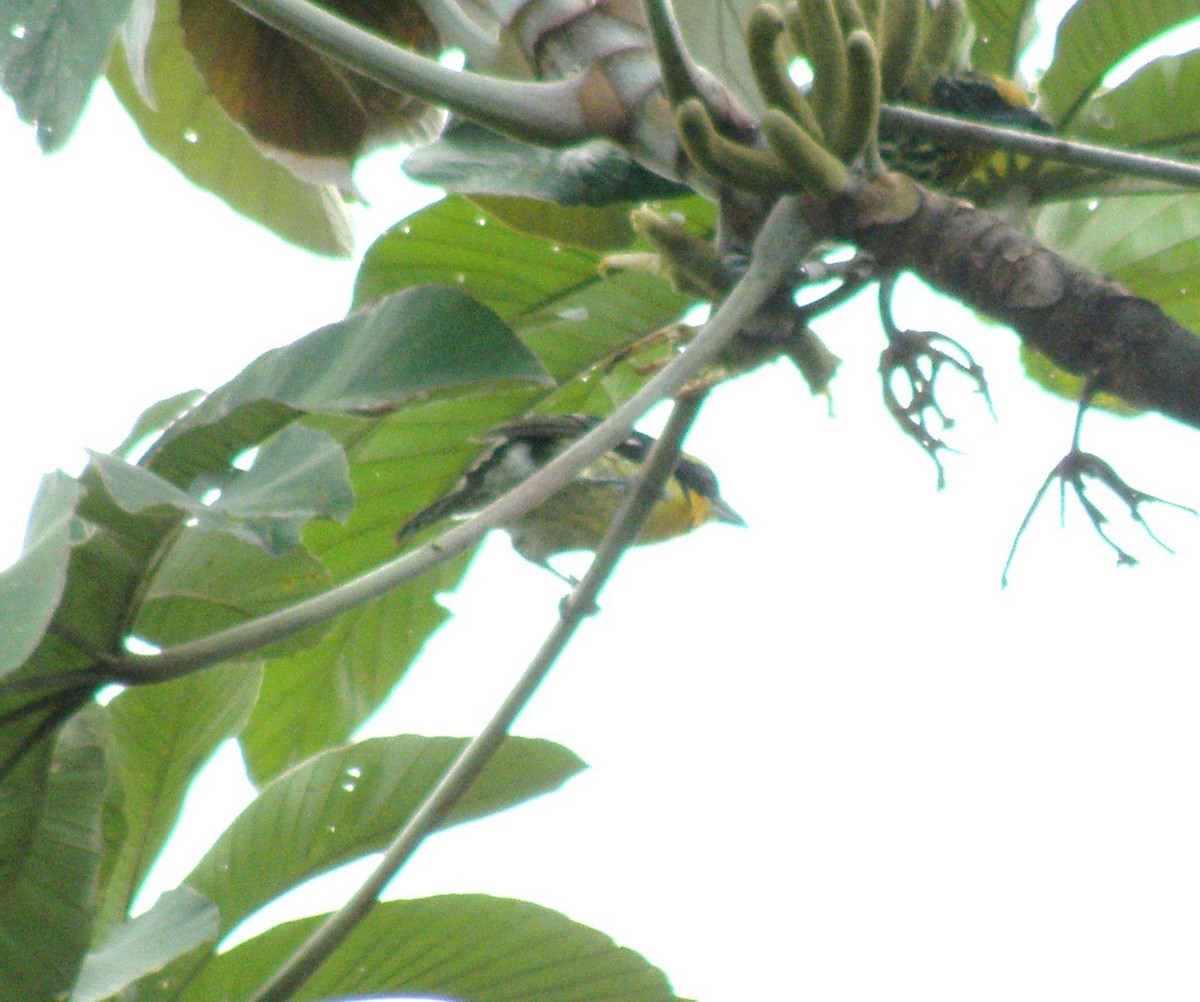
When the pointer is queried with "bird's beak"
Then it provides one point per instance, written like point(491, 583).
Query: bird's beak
point(721, 512)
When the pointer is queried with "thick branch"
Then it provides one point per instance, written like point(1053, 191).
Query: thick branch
point(1092, 326)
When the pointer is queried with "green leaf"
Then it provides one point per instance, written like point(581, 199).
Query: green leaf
point(318, 697)
point(181, 121)
point(31, 588)
point(21, 800)
point(104, 574)
point(599, 229)
point(210, 581)
point(161, 736)
point(397, 465)
point(299, 475)
point(553, 296)
point(46, 918)
point(407, 347)
point(102, 569)
point(1168, 85)
point(1151, 243)
point(715, 34)
point(1094, 36)
point(469, 159)
point(401, 349)
point(349, 801)
point(1003, 30)
point(154, 421)
point(460, 946)
point(454, 242)
point(51, 54)
point(180, 921)
point(105, 581)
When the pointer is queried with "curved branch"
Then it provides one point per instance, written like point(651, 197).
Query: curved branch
point(775, 254)
point(549, 113)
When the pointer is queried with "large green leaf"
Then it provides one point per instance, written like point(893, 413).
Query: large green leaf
point(105, 579)
point(169, 102)
point(454, 242)
point(299, 475)
point(1003, 30)
point(598, 229)
point(319, 696)
point(76, 532)
point(48, 904)
point(469, 159)
point(51, 54)
point(469, 947)
point(416, 344)
point(160, 737)
point(180, 921)
point(1151, 243)
point(104, 574)
point(30, 589)
point(553, 296)
point(1094, 36)
point(1168, 86)
point(209, 581)
point(154, 421)
point(350, 801)
point(400, 463)
point(580, 196)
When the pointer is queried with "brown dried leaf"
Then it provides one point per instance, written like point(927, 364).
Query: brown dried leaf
point(310, 113)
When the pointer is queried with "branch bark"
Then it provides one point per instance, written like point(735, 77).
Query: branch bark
point(1089, 325)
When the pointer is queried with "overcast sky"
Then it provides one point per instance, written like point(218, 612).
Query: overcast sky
point(831, 759)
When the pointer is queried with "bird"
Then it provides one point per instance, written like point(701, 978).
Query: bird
point(946, 164)
point(577, 516)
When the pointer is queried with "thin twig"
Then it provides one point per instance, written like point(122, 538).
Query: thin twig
point(1040, 145)
point(471, 761)
point(775, 254)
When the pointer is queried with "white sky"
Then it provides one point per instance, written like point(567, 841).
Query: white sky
point(830, 758)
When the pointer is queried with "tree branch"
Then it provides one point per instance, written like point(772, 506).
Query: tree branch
point(549, 113)
point(471, 761)
point(775, 254)
point(1040, 145)
point(1089, 325)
